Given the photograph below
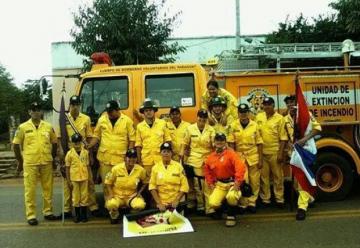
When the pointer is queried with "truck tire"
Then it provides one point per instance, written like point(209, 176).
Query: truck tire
point(334, 176)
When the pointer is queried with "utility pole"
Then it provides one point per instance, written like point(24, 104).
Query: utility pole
point(238, 39)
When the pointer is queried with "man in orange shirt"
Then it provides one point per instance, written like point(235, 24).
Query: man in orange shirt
point(224, 173)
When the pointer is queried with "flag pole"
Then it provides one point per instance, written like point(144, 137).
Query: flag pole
point(294, 139)
point(63, 143)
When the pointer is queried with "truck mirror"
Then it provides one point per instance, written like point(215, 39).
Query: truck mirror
point(44, 85)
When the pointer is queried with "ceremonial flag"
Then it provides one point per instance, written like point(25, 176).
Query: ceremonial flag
point(303, 157)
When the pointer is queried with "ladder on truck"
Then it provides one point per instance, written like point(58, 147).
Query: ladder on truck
point(248, 56)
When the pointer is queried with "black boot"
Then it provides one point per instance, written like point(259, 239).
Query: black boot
point(84, 214)
point(77, 217)
point(301, 214)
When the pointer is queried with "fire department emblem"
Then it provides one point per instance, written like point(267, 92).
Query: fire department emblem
point(255, 99)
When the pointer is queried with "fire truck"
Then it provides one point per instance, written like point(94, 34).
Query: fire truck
point(332, 93)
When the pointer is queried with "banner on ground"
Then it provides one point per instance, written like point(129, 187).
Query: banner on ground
point(158, 224)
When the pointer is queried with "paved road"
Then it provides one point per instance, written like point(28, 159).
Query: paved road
point(334, 224)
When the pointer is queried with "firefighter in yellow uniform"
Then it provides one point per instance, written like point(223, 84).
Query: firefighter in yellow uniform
point(198, 143)
point(150, 134)
point(168, 184)
point(246, 140)
point(82, 124)
point(218, 118)
point(77, 175)
point(213, 91)
point(38, 142)
point(123, 183)
point(116, 134)
point(273, 133)
point(177, 128)
point(304, 197)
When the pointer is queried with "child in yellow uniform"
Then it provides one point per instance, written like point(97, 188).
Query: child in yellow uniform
point(77, 163)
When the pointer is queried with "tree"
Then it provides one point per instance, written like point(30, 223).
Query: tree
point(31, 93)
point(348, 14)
point(131, 32)
point(9, 97)
point(344, 24)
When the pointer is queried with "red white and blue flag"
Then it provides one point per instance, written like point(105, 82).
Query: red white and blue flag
point(303, 157)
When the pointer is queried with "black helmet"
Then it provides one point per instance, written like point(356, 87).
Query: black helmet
point(166, 146)
point(35, 106)
point(112, 105)
point(202, 113)
point(220, 137)
point(131, 153)
point(174, 109)
point(243, 108)
point(75, 138)
point(246, 190)
point(75, 100)
point(268, 100)
point(289, 98)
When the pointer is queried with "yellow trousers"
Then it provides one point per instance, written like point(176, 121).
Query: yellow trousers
point(221, 192)
point(270, 165)
point(80, 193)
point(104, 170)
point(254, 181)
point(304, 197)
point(115, 203)
point(92, 204)
point(199, 191)
point(243, 201)
point(148, 168)
point(31, 173)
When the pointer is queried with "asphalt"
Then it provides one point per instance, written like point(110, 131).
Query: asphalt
point(329, 224)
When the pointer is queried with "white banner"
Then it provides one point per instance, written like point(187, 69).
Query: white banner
point(157, 224)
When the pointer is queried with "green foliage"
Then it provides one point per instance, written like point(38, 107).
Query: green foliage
point(15, 101)
point(31, 93)
point(344, 24)
point(348, 15)
point(131, 32)
point(9, 97)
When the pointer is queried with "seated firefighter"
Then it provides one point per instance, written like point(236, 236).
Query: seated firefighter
point(168, 183)
point(122, 183)
point(224, 174)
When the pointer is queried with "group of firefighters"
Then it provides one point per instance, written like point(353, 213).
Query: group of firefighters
point(221, 163)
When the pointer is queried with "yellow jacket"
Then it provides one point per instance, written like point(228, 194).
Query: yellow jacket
point(83, 126)
point(246, 141)
point(114, 141)
point(220, 128)
point(177, 135)
point(168, 181)
point(200, 143)
point(125, 184)
point(78, 164)
point(272, 131)
point(150, 140)
point(230, 100)
point(36, 142)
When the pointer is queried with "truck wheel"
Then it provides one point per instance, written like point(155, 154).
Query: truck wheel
point(334, 177)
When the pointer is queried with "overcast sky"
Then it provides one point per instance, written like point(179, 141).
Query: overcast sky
point(29, 27)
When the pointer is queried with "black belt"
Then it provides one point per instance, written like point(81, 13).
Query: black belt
point(227, 180)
